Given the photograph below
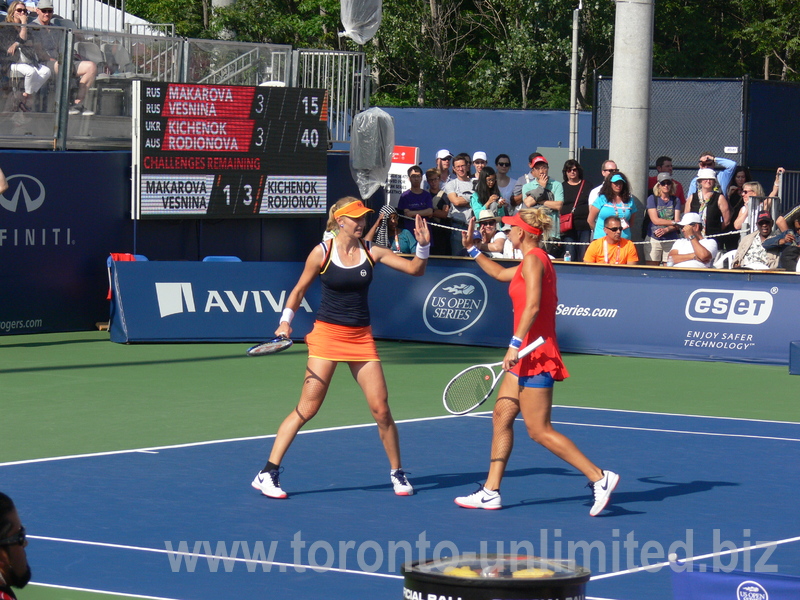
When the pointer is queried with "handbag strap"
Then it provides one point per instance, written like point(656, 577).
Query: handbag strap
point(578, 197)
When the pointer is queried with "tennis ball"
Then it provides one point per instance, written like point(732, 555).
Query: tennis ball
point(672, 557)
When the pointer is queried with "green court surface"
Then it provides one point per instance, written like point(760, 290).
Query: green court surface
point(75, 393)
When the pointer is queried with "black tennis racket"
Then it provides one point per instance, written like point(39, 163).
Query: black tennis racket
point(273, 346)
point(470, 388)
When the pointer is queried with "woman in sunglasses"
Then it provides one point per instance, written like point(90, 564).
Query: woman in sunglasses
point(615, 200)
point(28, 64)
point(663, 213)
point(505, 182)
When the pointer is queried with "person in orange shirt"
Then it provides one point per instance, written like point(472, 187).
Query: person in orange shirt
point(612, 249)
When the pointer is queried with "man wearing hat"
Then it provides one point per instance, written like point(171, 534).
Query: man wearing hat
point(693, 251)
point(493, 240)
point(751, 254)
point(84, 70)
point(544, 192)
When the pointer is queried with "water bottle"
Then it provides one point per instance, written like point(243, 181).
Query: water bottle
point(567, 256)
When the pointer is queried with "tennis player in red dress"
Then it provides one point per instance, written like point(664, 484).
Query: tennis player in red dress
point(527, 386)
point(342, 333)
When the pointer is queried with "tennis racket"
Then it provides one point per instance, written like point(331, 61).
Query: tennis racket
point(273, 346)
point(470, 388)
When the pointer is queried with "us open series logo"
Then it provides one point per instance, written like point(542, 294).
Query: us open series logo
point(455, 304)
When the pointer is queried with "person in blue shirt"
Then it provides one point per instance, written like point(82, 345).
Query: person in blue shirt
point(615, 200)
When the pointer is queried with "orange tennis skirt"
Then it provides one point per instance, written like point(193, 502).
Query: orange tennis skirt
point(341, 343)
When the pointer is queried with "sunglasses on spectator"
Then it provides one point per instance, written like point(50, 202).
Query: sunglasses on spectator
point(610, 170)
point(21, 10)
point(504, 164)
point(614, 229)
point(571, 169)
point(664, 182)
point(15, 540)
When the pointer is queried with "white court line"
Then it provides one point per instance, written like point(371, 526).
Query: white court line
point(696, 558)
point(156, 449)
point(654, 430)
point(214, 557)
point(92, 591)
point(647, 412)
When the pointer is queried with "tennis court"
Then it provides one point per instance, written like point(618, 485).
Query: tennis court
point(131, 468)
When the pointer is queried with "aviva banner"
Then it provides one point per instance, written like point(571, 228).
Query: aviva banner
point(627, 311)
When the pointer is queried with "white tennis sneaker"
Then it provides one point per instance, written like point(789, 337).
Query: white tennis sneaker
point(269, 484)
point(483, 498)
point(401, 485)
point(602, 491)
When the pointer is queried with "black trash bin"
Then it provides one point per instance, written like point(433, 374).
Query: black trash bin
point(494, 577)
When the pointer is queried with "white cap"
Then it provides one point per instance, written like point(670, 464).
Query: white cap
point(479, 156)
point(706, 174)
point(691, 218)
point(444, 153)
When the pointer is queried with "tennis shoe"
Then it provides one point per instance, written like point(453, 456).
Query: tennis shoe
point(401, 485)
point(269, 484)
point(602, 491)
point(483, 498)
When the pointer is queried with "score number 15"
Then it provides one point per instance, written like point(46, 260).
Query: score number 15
point(310, 137)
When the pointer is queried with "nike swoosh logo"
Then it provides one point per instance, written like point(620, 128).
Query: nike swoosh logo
point(604, 487)
point(484, 500)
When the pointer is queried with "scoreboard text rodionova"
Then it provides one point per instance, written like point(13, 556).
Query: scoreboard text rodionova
point(228, 151)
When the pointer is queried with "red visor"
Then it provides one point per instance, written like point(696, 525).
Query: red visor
point(517, 220)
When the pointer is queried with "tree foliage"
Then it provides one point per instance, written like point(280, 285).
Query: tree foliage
point(508, 53)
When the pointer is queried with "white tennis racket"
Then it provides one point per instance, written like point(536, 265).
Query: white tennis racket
point(273, 346)
point(470, 388)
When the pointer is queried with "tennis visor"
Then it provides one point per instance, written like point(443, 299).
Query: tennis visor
point(517, 220)
point(353, 210)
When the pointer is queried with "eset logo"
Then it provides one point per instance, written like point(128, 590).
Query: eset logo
point(729, 306)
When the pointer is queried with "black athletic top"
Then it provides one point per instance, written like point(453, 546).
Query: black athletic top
point(345, 289)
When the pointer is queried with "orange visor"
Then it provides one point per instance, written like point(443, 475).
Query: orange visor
point(353, 210)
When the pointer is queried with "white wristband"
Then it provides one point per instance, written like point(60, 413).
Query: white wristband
point(287, 315)
point(423, 252)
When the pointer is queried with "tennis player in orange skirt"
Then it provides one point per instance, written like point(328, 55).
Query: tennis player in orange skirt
point(342, 333)
point(527, 387)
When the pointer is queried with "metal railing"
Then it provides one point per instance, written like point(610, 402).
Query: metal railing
point(122, 57)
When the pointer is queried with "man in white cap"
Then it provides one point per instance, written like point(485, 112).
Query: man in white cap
point(693, 251)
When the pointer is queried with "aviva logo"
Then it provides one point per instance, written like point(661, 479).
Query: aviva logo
point(178, 297)
point(173, 296)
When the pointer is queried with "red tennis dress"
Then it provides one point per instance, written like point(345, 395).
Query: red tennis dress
point(547, 357)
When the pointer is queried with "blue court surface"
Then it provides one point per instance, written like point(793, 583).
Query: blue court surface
point(157, 522)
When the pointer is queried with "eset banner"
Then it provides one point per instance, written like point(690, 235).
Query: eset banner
point(647, 312)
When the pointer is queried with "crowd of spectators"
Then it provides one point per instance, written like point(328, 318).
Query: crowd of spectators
point(32, 54)
point(723, 213)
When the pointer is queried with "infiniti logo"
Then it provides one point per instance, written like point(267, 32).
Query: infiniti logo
point(26, 186)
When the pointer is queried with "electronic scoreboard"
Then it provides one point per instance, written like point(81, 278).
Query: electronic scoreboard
point(215, 151)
